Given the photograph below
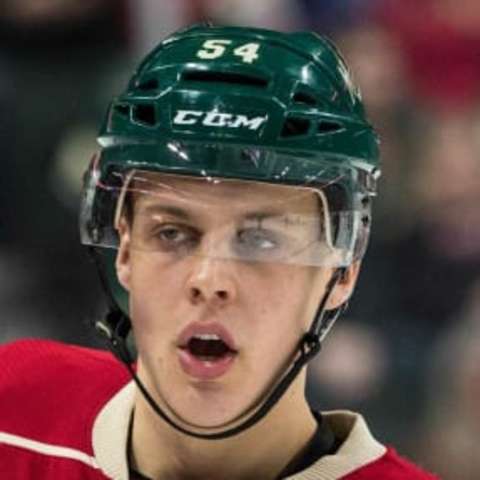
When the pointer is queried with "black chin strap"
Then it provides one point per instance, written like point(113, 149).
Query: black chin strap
point(309, 345)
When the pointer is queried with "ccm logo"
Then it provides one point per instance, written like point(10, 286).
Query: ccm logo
point(217, 119)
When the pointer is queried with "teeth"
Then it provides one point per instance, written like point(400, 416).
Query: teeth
point(207, 336)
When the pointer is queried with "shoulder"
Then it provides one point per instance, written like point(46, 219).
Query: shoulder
point(360, 456)
point(33, 363)
point(391, 466)
point(52, 390)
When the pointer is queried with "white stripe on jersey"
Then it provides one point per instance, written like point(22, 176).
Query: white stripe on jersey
point(47, 449)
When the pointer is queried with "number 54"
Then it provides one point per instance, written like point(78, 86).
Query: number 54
point(217, 47)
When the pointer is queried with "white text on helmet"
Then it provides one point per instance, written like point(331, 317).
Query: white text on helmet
point(217, 119)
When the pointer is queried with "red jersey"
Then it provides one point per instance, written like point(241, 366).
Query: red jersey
point(65, 413)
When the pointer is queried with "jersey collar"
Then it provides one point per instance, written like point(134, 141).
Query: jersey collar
point(358, 446)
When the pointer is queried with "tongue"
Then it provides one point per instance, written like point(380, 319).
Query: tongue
point(208, 349)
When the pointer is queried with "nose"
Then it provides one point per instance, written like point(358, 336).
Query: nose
point(211, 281)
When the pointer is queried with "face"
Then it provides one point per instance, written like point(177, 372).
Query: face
point(217, 309)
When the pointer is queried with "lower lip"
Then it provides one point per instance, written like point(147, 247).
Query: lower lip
point(205, 369)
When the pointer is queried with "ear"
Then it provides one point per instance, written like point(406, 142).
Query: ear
point(344, 286)
point(122, 263)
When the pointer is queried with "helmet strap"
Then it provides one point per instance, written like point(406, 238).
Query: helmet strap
point(324, 319)
point(116, 326)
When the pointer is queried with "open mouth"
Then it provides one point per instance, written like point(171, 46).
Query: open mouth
point(208, 347)
point(204, 354)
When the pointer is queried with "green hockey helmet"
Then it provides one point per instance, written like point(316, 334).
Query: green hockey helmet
point(230, 104)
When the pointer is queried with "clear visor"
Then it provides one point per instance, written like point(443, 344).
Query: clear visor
point(179, 216)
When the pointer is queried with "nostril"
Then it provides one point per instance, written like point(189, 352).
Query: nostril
point(222, 295)
point(195, 293)
point(199, 295)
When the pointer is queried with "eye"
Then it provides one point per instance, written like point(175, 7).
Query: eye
point(257, 239)
point(171, 234)
point(174, 236)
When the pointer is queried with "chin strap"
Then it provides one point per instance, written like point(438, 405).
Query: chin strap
point(308, 347)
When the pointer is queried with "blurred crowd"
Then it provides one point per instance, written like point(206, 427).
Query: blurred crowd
point(407, 353)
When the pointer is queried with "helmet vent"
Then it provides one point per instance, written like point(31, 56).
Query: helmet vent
point(145, 114)
point(122, 109)
point(327, 126)
point(295, 126)
point(224, 77)
point(148, 85)
point(304, 99)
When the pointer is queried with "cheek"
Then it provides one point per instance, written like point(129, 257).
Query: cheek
point(286, 306)
point(154, 292)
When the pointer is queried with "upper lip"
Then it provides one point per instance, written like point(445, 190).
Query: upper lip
point(205, 329)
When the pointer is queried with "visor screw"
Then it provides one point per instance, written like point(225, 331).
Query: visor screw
point(95, 235)
point(376, 173)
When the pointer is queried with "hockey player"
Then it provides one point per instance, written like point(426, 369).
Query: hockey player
point(227, 211)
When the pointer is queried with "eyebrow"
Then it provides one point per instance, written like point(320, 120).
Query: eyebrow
point(185, 215)
point(262, 214)
point(169, 210)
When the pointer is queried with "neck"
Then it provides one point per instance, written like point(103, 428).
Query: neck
point(262, 451)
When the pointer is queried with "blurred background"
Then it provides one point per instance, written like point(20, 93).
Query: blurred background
point(407, 353)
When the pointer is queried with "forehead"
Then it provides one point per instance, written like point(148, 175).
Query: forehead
point(152, 188)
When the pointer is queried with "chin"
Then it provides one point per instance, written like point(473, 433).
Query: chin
point(207, 406)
